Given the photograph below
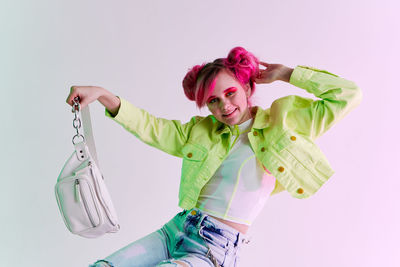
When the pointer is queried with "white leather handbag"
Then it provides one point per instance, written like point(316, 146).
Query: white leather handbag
point(82, 196)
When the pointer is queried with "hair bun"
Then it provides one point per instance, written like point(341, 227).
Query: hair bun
point(243, 63)
point(190, 80)
point(239, 57)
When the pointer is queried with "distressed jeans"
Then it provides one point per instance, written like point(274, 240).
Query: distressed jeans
point(191, 237)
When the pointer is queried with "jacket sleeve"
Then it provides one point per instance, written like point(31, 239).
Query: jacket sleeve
point(166, 135)
point(338, 97)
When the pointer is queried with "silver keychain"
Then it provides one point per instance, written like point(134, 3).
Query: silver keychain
point(209, 252)
point(77, 123)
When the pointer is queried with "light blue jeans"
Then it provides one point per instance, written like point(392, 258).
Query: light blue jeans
point(191, 237)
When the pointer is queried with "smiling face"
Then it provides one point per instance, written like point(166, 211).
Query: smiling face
point(228, 102)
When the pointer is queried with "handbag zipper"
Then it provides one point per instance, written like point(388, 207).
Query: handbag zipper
point(79, 196)
point(97, 188)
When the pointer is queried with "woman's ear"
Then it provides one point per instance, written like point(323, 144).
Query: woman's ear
point(247, 89)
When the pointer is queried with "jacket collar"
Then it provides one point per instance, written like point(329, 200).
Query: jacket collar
point(261, 120)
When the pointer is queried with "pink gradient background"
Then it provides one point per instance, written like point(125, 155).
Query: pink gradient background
point(141, 51)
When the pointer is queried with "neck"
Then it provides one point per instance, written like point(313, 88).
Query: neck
point(249, 115)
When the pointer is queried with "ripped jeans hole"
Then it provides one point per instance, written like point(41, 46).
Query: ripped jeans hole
point(175, 262)
point(102, 263)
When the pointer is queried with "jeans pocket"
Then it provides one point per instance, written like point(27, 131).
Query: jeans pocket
point(214, 237)
point(219, 247)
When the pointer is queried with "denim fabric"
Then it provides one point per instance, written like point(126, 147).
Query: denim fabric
point(191, 236)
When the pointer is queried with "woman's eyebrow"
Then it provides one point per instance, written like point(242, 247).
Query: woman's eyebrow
point(224, 92)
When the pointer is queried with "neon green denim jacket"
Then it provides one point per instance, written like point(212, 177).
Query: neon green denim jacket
point(281, 136)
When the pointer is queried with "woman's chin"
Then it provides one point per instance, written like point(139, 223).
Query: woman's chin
point(231, 121)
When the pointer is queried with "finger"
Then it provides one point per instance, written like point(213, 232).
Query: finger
point(72, 95)
point(70, 98)
point(257, 81)
point(83, 104)
point(265, 64)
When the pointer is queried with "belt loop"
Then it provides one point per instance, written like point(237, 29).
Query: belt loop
point(238, 237)
point(203, 216)
point(183, 212)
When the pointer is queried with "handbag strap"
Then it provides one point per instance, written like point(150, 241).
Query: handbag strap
point(87, 129)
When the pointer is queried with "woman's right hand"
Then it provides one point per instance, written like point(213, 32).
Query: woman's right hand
point(86, 94)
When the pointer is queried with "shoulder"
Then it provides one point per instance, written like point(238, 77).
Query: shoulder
point(196, 119)
point(201, 119)
point(206, 124)
point(204, 119)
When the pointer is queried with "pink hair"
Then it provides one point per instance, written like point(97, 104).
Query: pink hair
point(198, 83)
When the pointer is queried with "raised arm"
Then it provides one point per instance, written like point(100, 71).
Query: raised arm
point(337, 97)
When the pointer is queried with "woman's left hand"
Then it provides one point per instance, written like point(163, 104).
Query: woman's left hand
point(273, 72)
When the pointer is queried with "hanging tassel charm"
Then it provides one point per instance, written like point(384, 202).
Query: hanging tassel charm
point(212, 258)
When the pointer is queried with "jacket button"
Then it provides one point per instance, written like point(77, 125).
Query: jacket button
point(281, 169)
point(262, 149)
point(300, 190)
point(293, 138)
point(255, 133)
point(189, 155)
point(193, 212)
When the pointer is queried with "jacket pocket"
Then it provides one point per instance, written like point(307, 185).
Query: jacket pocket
point(284, 140)
point(194, 156)
point(303, 151)
point(194, 152)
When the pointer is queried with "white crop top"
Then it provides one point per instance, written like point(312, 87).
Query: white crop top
point(240, 187)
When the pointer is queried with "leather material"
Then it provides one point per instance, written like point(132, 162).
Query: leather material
point(82, 196)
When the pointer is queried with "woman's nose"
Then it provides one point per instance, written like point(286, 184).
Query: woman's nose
point(224, 105)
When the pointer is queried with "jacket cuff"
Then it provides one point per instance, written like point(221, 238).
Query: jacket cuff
point(125, 111)
point(302, 75)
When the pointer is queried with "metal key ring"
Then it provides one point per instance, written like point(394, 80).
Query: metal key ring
point(77, 135)
point(76, 123)
point(76, 106)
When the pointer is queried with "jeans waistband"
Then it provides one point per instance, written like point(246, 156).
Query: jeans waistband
point(200, 218)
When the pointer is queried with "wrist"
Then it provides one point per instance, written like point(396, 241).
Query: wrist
point(109, 101)
point(285, 74)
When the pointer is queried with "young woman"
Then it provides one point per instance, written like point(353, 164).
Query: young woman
point(233, 159)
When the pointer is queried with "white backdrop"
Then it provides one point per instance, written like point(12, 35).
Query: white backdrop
point(141, 51)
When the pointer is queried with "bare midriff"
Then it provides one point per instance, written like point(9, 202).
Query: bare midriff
point(238, 226)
